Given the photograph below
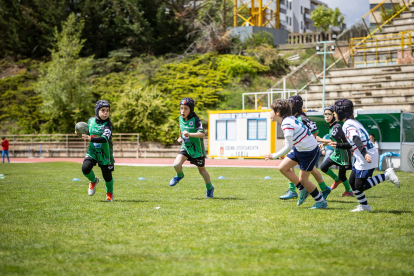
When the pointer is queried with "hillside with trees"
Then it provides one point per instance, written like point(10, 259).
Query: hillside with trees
point(57, 58)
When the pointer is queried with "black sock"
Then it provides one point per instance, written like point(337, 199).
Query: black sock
point(299, 186)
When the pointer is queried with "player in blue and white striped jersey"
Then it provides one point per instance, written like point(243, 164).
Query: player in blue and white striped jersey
point(366, 155)
point(302, 149)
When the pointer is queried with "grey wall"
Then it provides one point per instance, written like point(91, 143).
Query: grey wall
point(279, 36)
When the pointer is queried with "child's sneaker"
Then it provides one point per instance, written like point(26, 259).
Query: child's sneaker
point(326, 192)
point(209, 193)
point(303, 195)
point(361, 208)
point(289, 195)
point(392, 177)
point(92, 187)
point(320, 205)
point(174, 181)
point(335, 184)
point(348, 194)
point(109, 197)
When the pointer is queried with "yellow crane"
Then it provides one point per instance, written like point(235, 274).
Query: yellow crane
point(255, 13)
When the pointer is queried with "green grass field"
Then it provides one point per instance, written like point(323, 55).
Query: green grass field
point(50, 226)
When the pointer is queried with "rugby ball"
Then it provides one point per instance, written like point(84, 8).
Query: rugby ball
point(82, 128)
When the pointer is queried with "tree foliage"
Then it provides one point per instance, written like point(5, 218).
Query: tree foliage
point(63, 82)
point(325, 17)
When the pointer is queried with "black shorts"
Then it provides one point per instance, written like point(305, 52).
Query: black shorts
point(104, 168)
point(199, 161)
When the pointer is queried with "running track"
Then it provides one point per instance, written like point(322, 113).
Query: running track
point(248, 163)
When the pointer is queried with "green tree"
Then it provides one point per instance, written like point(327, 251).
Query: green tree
point(63, 82)
point(140, 109)
point(324, 18)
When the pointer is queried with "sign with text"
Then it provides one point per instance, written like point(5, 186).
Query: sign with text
point(239, 149)
point(243, 115)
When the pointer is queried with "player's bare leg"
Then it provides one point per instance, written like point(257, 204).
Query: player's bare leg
point(178, 167)
point(206, 177)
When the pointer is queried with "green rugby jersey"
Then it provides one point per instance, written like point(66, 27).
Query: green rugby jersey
point(311, 125)
point(193, 146)
point(101, 152)
point(339, 156)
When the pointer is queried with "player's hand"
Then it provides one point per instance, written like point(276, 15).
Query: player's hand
point(332, 144)
point(180, 140)
point(321, 147)
point(268, 156)
point(368, 158)
point(76, 133)
point(186, 133)
point(86, 137)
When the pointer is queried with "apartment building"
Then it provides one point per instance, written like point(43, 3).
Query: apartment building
point(295, 15)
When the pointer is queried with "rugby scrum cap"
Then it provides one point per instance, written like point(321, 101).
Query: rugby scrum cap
point(297, 103)
point(188, 102)
point(99, 104)
point(344, 108)
point(332, 109)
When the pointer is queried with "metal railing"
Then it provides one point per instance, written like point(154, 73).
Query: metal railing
point(311, 70)
point(263, 100)
point(380, 43)
point(67, 143)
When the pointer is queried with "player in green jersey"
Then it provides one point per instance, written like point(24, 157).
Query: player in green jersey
point(100, 150)
point(192, 148)
point(341, 156)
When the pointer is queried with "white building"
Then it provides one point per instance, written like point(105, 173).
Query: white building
point(295, 15)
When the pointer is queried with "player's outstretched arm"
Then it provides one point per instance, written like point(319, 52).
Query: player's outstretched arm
point(288, 145)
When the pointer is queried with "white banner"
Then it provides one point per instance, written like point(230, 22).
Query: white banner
point(239, 148)
point(407, 157)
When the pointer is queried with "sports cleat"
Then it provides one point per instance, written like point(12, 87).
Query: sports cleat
point(303, 195)
point(392, 177)
point(335, 184)
point(209, 193)
point(289, 195)
point(92, 187)
point(360, 208)
point(174, 181)
point(109, 197)
point(320, 205)
point(348, 194)
point(326, 192)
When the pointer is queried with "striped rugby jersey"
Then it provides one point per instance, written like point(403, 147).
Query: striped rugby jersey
point(303, 139)
point(354, 128)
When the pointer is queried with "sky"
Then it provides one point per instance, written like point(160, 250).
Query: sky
point(353, 9)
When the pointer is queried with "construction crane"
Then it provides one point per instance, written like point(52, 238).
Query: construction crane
point(257, 13)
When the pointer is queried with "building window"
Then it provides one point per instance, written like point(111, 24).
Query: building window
point(290, 5)
point(301, 25)
point(301, 9)
point(279, 131)
point(257, 129)
point(290, 20)
point(226, 130)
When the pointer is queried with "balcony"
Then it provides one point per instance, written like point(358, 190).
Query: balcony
point(308, 17)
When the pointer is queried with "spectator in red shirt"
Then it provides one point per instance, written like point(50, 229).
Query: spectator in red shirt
point(5, 145)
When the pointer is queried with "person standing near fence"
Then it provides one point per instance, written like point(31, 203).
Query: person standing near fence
point(5, 145)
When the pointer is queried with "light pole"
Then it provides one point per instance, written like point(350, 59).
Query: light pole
point(324, 66)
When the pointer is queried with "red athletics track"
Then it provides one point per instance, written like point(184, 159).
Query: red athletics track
point(249, 163)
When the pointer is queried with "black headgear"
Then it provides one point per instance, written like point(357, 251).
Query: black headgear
point(99, 104)
point(332, 109)
point(344, 108)
point(297, 103)
point(188, 102)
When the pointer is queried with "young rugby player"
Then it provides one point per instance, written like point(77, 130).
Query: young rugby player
point(100, 150)
point(365, 153)
point(305, 151)
point(297, 105)
point(192, 149)
point(341, 156)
